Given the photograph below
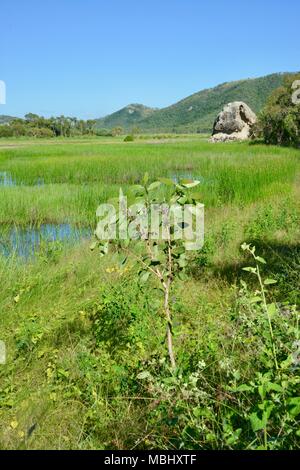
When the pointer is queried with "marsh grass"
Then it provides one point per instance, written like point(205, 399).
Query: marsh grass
point(76, 178)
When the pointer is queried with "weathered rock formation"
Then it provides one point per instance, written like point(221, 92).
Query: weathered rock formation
point(233, 123)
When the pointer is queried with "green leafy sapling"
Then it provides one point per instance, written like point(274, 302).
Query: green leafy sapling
point(156, 232)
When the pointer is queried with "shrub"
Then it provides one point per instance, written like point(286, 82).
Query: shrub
point(129, 138)
point(279, 122)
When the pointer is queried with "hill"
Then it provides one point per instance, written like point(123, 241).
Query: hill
point(127, 117)
point(5, 119)
point(197, 112)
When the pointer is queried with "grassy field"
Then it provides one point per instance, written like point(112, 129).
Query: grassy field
point(65, 182)
point(67, 385)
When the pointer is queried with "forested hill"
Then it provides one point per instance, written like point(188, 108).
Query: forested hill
point(197, 112)
point(127, 117)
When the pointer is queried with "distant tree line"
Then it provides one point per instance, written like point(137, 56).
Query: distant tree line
point(38, 126)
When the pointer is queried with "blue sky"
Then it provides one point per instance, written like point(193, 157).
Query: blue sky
point(87, 58)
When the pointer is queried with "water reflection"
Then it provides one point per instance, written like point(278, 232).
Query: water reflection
point(26, 242)
point(6, 179)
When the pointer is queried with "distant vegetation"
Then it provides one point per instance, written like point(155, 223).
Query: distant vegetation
point(196, 113)
point(6, 119)
point(126, 118)
point(37, 126)
point(279, 122)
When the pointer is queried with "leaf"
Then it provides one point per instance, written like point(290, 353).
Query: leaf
point(189, 183)
point(182, 262)
point(295, 404)
point(243, 388)
point(256, 423)
point(271, 309)
point(255, 299)
point(250, 269)
point(196, 196)
point(138, 190)
point(182, 276)
point(268, 282)
point(167, 181)
point(260, 259)
point(274, 387)
point(144, 276)
point(17, 298)
point(179, 250)
point(146, 178)
point(154, 185)
point(182, 200)
point(245, 247)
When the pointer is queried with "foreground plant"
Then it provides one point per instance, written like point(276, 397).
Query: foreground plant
point(151, 233)
point(273, 406)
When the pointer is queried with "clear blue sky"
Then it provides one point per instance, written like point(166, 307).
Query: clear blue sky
point(87, 58)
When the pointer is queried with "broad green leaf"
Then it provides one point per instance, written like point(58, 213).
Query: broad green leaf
point(272, 309)
point(256, 423)
point(138, 190)
point(249, 269)
point(268, 282)
point(154, 185)
point(182, 200)
point(260, 259)
point(274, 387)
point(295, 405)
point(190, 183)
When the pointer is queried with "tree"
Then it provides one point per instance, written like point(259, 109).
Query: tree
point(31, 117)
point(90, 124)
point(279, 122)
point(135, 130)
point(117, 131)
point(164, 258)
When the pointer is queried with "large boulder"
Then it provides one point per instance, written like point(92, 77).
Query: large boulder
point(233, 123)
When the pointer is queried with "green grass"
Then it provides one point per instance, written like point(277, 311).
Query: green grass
point(78, 177)
point(64, 386)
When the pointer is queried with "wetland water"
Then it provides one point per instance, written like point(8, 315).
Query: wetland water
point(25, 242)
point(28, 241)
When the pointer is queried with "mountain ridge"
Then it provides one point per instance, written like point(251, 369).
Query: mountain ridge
point(197, 112)
point(125, 117)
